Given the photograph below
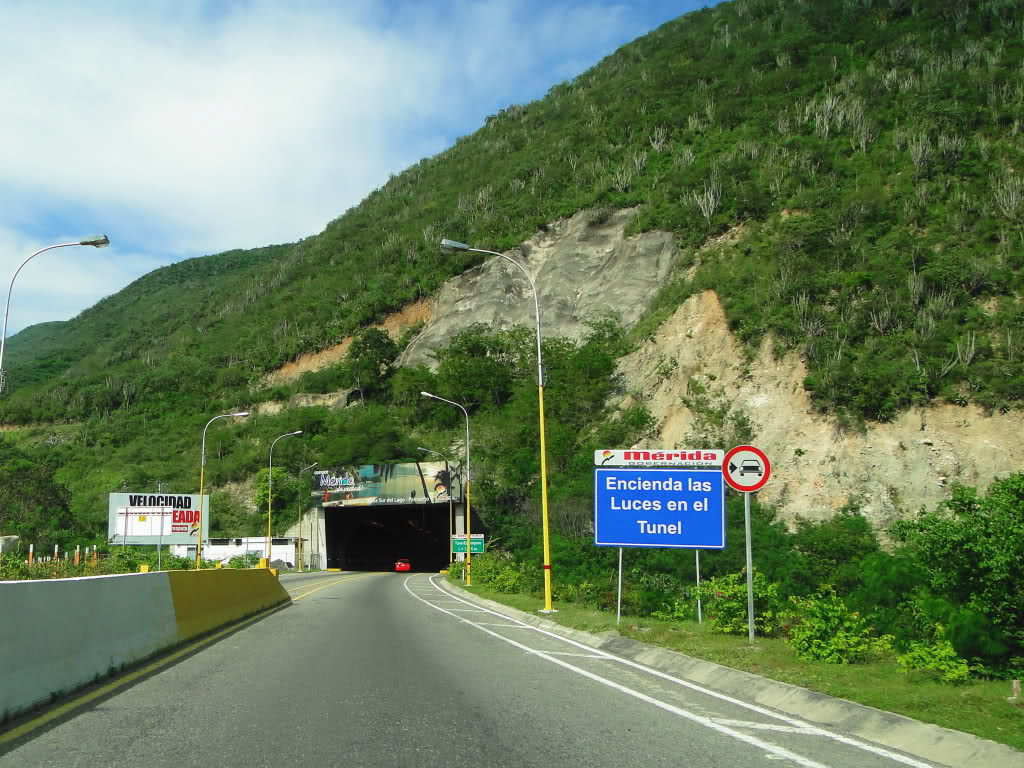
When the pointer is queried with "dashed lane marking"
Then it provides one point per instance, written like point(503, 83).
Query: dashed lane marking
point(803, 727)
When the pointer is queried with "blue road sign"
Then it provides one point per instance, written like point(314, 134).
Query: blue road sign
point(682, 508)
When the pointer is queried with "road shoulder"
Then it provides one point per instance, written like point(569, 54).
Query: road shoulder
point(924, 740)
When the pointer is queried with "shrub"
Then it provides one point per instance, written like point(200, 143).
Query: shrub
point(677, 609)
point(938, 659)
point(725, 604)
point(248, 560)
point(456, 570)
point(496, 571)
point(583, 593)
point(827, 630)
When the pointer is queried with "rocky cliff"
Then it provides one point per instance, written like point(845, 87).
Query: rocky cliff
point(584, 267)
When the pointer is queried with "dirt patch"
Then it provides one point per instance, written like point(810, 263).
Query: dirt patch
point(410, 315)
point(891, 469)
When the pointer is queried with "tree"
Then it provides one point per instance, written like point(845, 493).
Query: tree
point(370, 361)
point(287, 491)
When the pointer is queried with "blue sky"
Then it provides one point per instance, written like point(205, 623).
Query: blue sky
point(185, 128)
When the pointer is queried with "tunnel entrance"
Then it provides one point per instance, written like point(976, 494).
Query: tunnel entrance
point(373, 538)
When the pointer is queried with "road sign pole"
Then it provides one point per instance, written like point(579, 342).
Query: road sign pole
point(700, 618)
point(618, 604)
point(750, 570)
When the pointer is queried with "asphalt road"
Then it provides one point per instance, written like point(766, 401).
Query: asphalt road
point(386, 669)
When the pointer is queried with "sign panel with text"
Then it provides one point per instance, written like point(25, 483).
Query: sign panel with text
point(674, 508)
point(156, 518)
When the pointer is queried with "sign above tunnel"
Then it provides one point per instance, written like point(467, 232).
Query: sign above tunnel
point(368, 485)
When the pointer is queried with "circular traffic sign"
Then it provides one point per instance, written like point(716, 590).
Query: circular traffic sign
point(746, 468)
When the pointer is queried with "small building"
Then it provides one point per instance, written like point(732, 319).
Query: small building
point(223, 550)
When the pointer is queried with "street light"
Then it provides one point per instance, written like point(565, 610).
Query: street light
point(270, 487)
point(452, 245)
point(96, 241)
point(299, 557)
point(469, 516)
point(202, 477)
point(451, 513)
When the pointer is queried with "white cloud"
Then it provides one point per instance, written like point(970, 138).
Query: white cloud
point(183, 128)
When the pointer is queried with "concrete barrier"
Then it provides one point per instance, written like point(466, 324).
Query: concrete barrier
point(57, 635)
point(205, 600)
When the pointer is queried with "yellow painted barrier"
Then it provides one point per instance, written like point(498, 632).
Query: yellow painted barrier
point(207, 599)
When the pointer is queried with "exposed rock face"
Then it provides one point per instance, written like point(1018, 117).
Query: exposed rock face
point(583, 268)
point(893, 469)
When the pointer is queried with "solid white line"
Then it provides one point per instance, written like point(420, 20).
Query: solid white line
point(583, 656)
point(804, 726)
point(707, 722)
point(510, 626)
point(762, 726)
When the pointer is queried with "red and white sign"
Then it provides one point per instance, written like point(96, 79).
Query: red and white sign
point(746, 468)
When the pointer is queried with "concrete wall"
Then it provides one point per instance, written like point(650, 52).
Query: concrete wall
point(57, 635)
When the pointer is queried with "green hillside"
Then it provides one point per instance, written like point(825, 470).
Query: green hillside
point(869, 150)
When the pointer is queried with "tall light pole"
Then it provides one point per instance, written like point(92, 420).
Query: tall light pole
point(469, 516)
point(299, 556)
point(202, 477)
point(452, 245)
point(96, 241)
point(451, 513)
point(270, 487)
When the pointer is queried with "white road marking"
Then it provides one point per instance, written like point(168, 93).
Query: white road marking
point(582, 656)
point(804, 727)
point(707, 722)
point(764, 726)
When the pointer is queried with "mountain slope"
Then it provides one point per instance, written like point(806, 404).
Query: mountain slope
point(892, 127)
point(863, 155)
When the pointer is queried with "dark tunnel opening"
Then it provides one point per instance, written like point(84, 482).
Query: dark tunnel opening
point(373, 538)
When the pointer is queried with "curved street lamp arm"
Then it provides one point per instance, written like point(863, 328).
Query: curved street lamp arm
point(536, 305)
point(10, 290)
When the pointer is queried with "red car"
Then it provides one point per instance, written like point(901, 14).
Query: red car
point(403, 565)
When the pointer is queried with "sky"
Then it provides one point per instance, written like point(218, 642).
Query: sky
point(181, 128)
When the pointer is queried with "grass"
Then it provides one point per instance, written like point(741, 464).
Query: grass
point(979, 707)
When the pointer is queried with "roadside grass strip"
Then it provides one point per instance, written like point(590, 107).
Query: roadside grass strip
point(979, 707)
point(793, 725)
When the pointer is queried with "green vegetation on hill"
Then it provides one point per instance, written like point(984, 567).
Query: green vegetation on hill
point(869, 149)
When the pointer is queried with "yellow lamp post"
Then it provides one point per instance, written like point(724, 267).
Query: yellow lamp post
point(469, 515)
point(451, 245)
point(202, 477)
point(270, 491)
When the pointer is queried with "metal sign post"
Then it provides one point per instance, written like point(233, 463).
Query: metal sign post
point(747, 469)
point(700, 618)
point(618, 604)
point(750, 569)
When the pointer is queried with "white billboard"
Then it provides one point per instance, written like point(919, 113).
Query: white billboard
point(156, 518)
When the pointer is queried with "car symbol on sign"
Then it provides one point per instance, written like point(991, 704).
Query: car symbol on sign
point(751, 467)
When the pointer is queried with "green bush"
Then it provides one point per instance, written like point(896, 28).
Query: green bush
point(826, 630)
point(937, 659)
point(496, 571)
point(248, 560)
point(457, 570)
point(584, 593)
point(725, 605)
